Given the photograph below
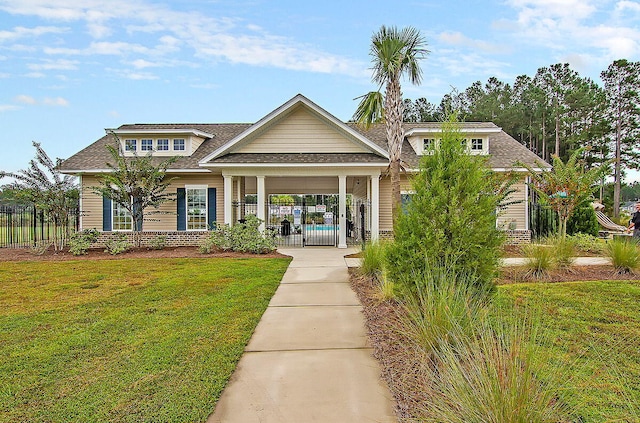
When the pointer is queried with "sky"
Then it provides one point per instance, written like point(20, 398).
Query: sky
point(69, 68)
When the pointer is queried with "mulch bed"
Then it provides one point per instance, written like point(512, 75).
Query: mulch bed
point(399, 362)
point(25, 254)
point(518, 274)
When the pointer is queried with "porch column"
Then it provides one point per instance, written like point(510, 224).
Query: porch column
point(260, 185)
point(228, 199)
point(375, 207)
point(342, 211)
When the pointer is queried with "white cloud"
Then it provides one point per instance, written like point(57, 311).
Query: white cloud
point(567, 27)
point(460, 40)
point(25, 99)
point(8, 108)
point(35, 75)
point(57, 101)
point(20, 32)
point(213, 38)
point(60, 64)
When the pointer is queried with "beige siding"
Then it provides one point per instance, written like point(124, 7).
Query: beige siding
point(167, 220)
point(386, 222)
point(91, 204)
point(301, 132)
point(515, 212)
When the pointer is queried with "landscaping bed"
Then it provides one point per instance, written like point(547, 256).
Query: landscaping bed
point(22, 254)
point(591, 331)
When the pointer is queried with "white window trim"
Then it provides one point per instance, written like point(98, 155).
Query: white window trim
point(126, 145)
point(173, 144)
point(113, 216)
point(158, 144)
point(142, 146)
point(483, 142)
point(206, 207)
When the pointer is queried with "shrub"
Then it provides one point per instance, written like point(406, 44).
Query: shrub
point(493, 376)
point(117, 244)
point(373, 258)
point(588, 243)
point(386, 288)
point(40, 247)
point(80, 242)
point(539, 260)
point(583, 220)
point(451, 217)
point(158, 242)
point(624, 255)
point(564, 251)
point(443, 309)
point(244, 237)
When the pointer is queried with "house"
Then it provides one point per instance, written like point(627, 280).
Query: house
point(333, 171)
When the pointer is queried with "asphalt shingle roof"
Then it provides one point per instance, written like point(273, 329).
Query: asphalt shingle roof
point(504, 151)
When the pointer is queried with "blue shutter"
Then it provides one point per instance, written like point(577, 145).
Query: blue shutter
point(211, 207)
point(106, 214)
point(182, 209)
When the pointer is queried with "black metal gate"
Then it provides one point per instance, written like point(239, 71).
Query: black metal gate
point(311, 219)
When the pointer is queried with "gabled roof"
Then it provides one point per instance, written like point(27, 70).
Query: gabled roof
point(219, 148)
point(280, 113)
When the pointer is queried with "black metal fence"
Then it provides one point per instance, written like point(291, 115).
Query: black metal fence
point(25, 226)
point(543, 221)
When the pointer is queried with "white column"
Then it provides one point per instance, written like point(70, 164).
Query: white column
point(342, 211)
point(228, 200)
point(375, 207)
point(262, 196)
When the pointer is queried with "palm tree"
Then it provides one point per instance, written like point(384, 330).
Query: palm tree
point(395, 53)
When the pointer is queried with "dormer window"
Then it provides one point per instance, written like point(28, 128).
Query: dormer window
point(178, 144)
point(428, 144)
point(163, 144)
point(130, 145)
point(476, 144)
point(146, 145)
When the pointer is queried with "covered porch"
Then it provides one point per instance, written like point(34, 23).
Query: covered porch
point(307, 206)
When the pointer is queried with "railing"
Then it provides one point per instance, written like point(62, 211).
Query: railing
point(25, 226)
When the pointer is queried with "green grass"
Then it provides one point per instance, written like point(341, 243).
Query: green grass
point(592, 329)
point(125, 340)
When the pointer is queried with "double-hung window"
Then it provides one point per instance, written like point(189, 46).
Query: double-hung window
point(121, 218)
point(196, 208)
point(163, 144)
point(178, 144)
point(146, 145)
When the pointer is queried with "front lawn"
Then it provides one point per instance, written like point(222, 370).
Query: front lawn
point(126, 340)
point(591, 331)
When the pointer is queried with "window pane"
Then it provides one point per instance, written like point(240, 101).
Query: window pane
point(121, 218)
point(163, 144)
point(146, 145)
point(178, 144)
point(130, 145)
point(197, 208)
point(476, 144)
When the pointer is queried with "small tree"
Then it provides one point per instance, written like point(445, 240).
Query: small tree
point(566, 186)
point(50, 191)
point(451, 218)
point(137, 184)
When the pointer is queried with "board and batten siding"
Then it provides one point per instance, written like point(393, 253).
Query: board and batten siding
point(301, 132)
point(165, 221)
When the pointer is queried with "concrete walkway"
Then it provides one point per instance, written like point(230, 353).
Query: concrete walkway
point(308, 359)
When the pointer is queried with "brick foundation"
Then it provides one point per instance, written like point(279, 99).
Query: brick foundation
point(174, 239)
point(517, 237)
